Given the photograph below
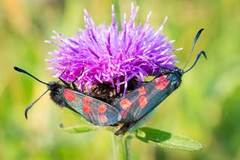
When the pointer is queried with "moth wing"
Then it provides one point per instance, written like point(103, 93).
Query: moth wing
point(92, 109)
point(138, 103)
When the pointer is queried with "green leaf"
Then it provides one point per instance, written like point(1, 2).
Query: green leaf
point(79, 129)
point(166, 139)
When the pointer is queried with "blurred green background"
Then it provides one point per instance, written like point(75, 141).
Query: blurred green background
point(206, 107)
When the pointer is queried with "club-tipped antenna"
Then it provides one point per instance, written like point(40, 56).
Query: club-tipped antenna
point(196, 38)
point(31, 105)
point(29, 74)
point(201, 53)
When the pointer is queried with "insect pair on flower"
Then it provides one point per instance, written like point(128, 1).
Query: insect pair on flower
point(102, 70)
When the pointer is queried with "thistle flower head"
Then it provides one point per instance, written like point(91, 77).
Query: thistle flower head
point(107, 55)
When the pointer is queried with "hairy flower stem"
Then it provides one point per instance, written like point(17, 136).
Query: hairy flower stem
point(120, 147)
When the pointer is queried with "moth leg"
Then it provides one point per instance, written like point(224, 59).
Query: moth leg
point(74, 86)
point(64, 82)
point(124, 128)
point(114, 125)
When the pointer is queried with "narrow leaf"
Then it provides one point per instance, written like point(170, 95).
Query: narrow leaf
point(79, 129)
point(167, 140)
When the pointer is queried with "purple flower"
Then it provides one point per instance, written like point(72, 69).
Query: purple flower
point(102, 54)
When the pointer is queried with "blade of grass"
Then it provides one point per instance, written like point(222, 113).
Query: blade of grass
point(80, 129)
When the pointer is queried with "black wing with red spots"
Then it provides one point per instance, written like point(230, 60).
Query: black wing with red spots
point(93, 110)
point(138, 103)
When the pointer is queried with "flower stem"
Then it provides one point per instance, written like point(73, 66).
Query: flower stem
point(120, 147)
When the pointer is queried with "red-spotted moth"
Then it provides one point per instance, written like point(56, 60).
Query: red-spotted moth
point(125, 111)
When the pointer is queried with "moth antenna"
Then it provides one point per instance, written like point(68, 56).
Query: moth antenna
point(31, 105)
point(29, 74)
point(201, 53)
point(195, 40)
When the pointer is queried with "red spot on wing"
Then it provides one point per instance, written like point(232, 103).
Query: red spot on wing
point(161, 82)
point(86, 104)
point(102, 108)
point(68, 95)
point(142, 90)
point(125, 103)
point(86, 109)
point(142, 101)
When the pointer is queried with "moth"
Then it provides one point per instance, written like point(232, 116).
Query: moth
point(125, 111)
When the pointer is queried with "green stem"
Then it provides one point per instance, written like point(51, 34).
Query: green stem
point(120, 147)
point(120, 143)
point(117, 13)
